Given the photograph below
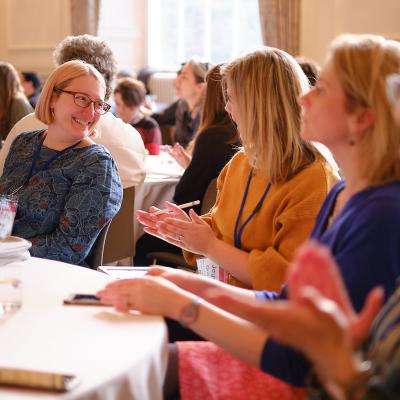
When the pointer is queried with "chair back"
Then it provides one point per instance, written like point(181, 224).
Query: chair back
point(209, 197)
point(119, 243)
point(95, 257)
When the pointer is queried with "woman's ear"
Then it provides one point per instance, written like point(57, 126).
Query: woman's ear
point(361, 120)
point(53, 100)
point(200, 87)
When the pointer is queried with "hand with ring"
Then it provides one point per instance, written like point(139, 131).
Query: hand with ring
point(146, 294)
point(150, 220)
point(194, 235)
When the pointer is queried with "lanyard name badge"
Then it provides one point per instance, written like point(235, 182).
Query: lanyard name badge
point(9, 203)
point(46, 165)
point(209, 268)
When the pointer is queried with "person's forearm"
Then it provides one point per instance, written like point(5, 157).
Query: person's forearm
point(231, 259)
point(235, 335)
point(207, 288)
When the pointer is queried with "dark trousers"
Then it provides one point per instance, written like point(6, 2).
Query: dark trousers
point(178, 333)
point(147, 244)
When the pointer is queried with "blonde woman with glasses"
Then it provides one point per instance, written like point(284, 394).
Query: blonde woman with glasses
point(67, 187)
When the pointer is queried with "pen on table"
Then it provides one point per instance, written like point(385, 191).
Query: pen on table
point(181, 206)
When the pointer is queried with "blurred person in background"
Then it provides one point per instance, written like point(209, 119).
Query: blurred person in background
point(13, 103)
point(129, 97)
point(31, 84)
point(310, 68)
point(189, 85)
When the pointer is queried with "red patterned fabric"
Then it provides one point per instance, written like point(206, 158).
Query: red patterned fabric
point(208, 372)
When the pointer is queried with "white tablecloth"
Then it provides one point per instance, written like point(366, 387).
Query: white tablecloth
point(162, 175)
point(115, 355)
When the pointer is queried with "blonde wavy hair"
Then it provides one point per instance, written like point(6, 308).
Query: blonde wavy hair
point(362, 63)
point(266, 85)
point(60, 78)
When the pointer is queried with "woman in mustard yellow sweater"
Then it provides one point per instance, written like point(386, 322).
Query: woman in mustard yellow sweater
point(269, 193)
point(268, 241)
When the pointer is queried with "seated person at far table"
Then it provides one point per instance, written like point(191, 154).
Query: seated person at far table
point(121, 140)
point(66, 185)
point(31, 83)
point(189, 87)
point(13, 103)
point(216, 141)
point(129, 96)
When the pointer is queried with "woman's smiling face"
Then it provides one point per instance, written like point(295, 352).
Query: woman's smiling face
point(71, 119)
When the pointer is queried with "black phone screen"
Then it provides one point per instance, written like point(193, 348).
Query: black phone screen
point(86, 297)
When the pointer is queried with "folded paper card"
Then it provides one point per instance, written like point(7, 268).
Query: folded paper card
point(36, 379)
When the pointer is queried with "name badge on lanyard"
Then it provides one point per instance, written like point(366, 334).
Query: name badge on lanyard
point(8, 209)
point(207, 267)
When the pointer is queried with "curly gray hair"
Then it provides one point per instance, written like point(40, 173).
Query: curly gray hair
point(92, 50)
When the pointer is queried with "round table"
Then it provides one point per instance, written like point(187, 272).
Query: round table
point(115, 355)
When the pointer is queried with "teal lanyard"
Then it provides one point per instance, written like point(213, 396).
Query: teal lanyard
point(238, 232)
point(46, 165)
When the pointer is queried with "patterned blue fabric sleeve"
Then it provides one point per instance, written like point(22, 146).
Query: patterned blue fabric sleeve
point(94, 198)
point(66, 203)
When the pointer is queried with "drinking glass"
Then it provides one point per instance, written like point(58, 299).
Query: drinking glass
point(10, 288)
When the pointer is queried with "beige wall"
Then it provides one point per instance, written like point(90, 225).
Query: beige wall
point(29, 30)
point(322, 20)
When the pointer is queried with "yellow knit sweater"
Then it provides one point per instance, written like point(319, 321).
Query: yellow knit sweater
point(284, 221)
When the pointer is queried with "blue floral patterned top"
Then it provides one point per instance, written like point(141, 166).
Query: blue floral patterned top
point(63, 206)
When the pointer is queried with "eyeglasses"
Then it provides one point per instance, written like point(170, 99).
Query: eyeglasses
point(84, 101)
point(393, 88)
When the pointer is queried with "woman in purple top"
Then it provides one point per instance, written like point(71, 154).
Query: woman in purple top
point(348, 111)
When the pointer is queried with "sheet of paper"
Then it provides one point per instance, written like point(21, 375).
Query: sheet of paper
point(123, 272)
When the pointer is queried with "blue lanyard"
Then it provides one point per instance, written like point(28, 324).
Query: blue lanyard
point(238, 232)
point(46, 165)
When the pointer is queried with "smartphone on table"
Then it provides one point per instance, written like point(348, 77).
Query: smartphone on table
point(83, 299)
